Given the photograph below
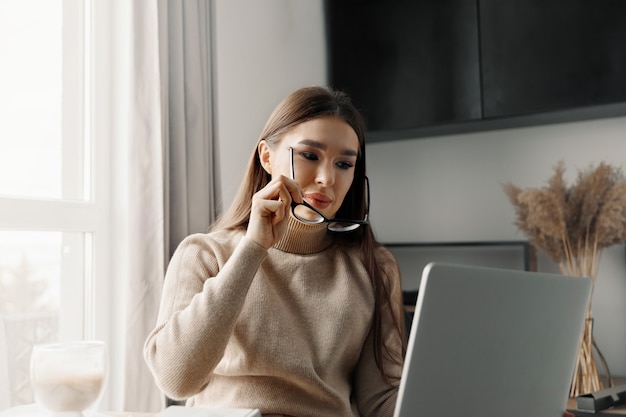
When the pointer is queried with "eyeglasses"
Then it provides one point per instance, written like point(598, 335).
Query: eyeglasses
point(309, 214)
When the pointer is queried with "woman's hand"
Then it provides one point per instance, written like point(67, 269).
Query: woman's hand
point(270, 210)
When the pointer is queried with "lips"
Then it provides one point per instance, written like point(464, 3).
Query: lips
point(318, 200)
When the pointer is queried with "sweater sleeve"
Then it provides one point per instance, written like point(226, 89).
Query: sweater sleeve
point(203, 293)
point(375, 396)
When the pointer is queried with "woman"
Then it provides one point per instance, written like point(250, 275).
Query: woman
point(278, 312)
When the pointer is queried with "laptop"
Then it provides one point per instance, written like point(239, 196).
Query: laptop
point(489, 342)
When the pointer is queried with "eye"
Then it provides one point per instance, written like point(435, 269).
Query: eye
point(309, 155)
point(345, 165)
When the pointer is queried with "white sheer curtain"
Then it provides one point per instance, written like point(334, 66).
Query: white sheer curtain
point(192, 202)
point(170, 163)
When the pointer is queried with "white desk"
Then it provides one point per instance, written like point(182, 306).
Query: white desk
point(32, 410)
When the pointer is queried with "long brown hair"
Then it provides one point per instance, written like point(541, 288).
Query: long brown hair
point(300, 106)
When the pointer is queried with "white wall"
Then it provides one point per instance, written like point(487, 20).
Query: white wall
point(449, 188)
point(264, 50)
point(446, 188)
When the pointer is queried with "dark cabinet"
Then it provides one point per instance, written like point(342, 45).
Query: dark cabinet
point(406, 63)
point(427, 67)
point(542, 56)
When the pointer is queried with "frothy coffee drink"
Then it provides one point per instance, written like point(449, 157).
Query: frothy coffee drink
point(68, 392)
point(68, 377)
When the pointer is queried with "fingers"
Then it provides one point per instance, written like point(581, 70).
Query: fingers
point(295, 192)
point(281, 189)
point(270, 208)
point(274, 211)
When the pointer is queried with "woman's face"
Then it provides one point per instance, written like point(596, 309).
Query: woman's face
point(324, 155)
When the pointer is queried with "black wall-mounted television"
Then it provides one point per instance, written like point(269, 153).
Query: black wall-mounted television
point(427, 67)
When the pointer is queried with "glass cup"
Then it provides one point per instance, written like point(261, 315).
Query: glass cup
point(68, 378)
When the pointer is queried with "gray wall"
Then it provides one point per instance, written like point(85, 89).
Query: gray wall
point(446, 188)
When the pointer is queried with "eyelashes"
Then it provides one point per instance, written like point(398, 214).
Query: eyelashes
point(310, 156)
point(345, 165)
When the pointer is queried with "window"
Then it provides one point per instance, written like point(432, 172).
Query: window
point(53, 220)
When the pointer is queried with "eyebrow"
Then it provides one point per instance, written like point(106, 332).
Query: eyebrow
point(322, 146)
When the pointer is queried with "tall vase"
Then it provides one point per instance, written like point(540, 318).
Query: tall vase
point(584, 262)
point(586, 377)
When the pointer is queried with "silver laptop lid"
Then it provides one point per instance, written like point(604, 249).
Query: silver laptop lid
point(489, 342)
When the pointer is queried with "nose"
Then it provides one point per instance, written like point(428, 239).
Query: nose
point(325, 175)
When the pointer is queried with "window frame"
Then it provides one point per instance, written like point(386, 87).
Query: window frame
point(88, 99)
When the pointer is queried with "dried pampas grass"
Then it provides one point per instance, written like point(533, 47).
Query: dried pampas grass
point(572, 224)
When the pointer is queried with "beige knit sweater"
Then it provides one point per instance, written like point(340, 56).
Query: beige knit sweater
point(285, 330)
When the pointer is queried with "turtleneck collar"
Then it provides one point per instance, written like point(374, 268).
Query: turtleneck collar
point(303, 238)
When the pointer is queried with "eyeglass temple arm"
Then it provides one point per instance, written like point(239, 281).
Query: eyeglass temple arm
point(292, 172)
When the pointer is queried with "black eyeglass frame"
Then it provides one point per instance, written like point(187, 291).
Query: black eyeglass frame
point(353, 224)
